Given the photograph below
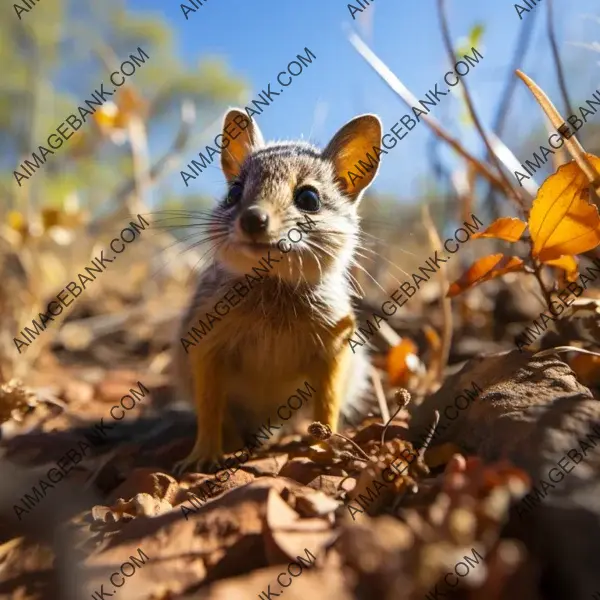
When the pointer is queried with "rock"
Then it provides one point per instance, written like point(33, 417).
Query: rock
point(533, 412)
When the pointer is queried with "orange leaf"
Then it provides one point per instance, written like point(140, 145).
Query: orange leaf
point(399, 361)
point(562, 220)
point(484, 269)
point(130, 102)
point(568, 264)
point(509, 229)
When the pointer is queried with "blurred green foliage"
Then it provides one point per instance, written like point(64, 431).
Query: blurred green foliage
point(53, 58)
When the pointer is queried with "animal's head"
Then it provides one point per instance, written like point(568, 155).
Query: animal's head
point(292, 200)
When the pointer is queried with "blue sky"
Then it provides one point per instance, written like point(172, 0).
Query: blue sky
point(259, 38)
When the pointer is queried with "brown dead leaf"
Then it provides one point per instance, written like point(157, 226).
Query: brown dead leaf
point(223, 538)
point(15, 400)
point(207, 485)
point(370, 486)
point(329, 484)
point(441, 454)
point(310, 503)
point(287, 535)
point(303, 470)
point(141, 505)
point(145, 480)
point(271, 465)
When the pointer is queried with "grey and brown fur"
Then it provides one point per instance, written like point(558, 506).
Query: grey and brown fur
point(283, 332)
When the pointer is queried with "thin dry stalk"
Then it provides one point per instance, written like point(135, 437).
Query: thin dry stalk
point(561, 155)
point(436, 245)
point(428, 440)
point(499, 122)
point(407, 97)
point(572, 143)
point(555, 55)
point(558, 349)
point(141, 171)
point(403, 397)
point(470, 106)
point(383, 407)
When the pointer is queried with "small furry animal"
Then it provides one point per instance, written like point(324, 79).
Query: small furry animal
point(293, 326)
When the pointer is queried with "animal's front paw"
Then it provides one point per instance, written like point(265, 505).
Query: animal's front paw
point(198, 462)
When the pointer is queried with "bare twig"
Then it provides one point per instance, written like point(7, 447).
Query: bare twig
point(512, 164)
point(397, 86)
point(161, 168)
point(429, 438)
point(354, 444)
point(537, 272)
point(448, 43)
point(520, 51)
point(170, 159)
point(403, 395)
point(389, 334)
point(572, 143)
point(550, 351)
point(383, 407)
point(139, 153)
point(555, 55)
point(436, 244)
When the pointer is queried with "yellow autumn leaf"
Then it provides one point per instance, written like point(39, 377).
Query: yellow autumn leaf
point(562, 220)
point(509, 229)
point(484, 269)
point(16, 220)
point(566, 263)
point(109, 117)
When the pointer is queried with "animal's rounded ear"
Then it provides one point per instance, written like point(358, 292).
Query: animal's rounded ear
point(358, 140)
point(243, 136)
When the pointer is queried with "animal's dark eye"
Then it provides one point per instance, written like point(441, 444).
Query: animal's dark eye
point(308, 200)
point(234, 195)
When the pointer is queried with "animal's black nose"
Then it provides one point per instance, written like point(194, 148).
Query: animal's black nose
point(254, 220)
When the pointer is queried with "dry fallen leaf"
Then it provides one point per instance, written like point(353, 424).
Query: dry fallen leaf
point(287, 535)
point(484, 269)
point(15, 400)
point(562, 220)
point(442, 454)
point(509, 229)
